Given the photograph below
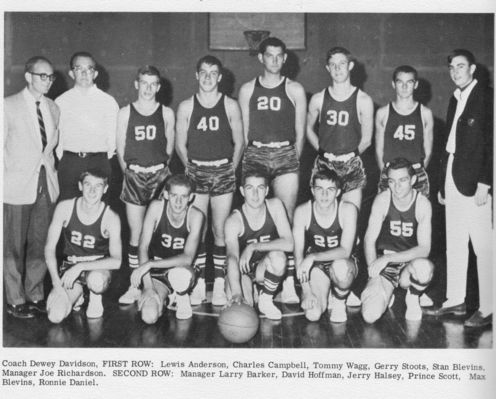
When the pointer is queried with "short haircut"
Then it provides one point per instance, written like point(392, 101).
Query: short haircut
point(400, 163)
point(148, 70)
point(82, 54)
point(95, 172)
point(405, 69)
point(338, 50)
point(273, 42)
point(463, 53)
point(254, 173)
point(179, 180)
point(28, 67)
point(327, 174)
point(209, 60)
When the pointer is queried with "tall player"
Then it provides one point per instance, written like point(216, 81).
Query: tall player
point(145, 141)
point(273, 109)
point(91, 234)
point(209, 141)
point(346, 120)
point(324, 233)
point(167, 249)
point(257, 237)
point(397, 244)
point(404, 129)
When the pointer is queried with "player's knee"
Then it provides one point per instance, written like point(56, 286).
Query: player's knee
point(150, 311)
point(371, 313)
point(342, 272)
point(97, 281)
point(423, 270)
point(180, 278)
point(277, 263)
point(58, 309)
point(313, 314)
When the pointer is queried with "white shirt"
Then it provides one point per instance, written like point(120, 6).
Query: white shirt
point(88, 121)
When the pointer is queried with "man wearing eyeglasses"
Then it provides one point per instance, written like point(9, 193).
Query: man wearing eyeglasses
point(31, 187)
point(88, 119)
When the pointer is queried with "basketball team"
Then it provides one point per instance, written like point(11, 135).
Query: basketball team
point(58, 219)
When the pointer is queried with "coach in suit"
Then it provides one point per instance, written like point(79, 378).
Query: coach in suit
point(467, 189)
point(30, 187)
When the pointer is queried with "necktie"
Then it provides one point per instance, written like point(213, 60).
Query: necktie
point(42, 125)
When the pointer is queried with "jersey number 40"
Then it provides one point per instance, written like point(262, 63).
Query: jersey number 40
point(211, 123)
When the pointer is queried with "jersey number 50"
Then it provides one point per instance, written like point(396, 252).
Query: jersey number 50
point(401, 229)
point(145, 132)
point(86, 241)
point(264, 103)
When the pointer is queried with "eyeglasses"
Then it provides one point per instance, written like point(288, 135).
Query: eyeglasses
point(45, 76)
point(80, 69)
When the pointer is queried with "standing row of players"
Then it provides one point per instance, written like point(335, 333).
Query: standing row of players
point(209, 140)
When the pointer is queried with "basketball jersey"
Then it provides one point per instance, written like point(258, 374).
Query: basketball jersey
point(84, 242)
point(169, 240)
point(146, 144)
point(272, 114)
point(318, 238)
point(339, 127)
point(266, 233)
point(404, 136)
point(209, 132)
point(399, 228)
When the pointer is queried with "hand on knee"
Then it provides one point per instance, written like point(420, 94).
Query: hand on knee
point(342, 273)
point(180, 279)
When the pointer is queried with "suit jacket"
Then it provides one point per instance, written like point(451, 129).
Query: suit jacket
point(23, 154)
point(473, 158)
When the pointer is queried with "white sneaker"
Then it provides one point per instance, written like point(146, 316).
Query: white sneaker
point(184, 310)
point(219, 297)
point(413, 309)
point(199, 293)
point(426, 301)
point(77, 305)
point(130, 296)
point(267, 307)
point(288, 293)
point(95, 306)
point(353, 301)
point(338, 310)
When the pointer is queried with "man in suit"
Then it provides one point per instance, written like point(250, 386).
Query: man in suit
point(30, 187)
point(467, 189)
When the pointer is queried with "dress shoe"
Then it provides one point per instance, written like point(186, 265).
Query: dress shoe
point(37, 306)
point(457, 310)
point(20, 311)
point(477, 320)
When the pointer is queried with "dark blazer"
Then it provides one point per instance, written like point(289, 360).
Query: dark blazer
point(473, 158)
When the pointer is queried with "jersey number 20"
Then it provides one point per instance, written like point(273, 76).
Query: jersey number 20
point(264, 103)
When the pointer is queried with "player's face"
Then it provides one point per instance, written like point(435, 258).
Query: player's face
point(83, 72)
point(339, 67)
point(405, 84)
point(208, 77)
point(255, 191)
point(36, 84)
point(325, 192)
point(461, 71)
point(93, 189)
point(273, 59)
point(400, 182)
point(179, 198)
point(147, 86)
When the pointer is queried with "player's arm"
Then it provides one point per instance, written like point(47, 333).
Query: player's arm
point(380, 127)
point(110, 122)
point(298, 95)
point(365, 108)
point(285, 241)
point(484, 180)
point(235, 120)
point(60, 216)
point(424, 215)
point(182, 123)
point(303, 265)
point(245, 93)
point(348, 219)
point(122, 122)
point(377, 216)
point(169, 122)
point(428, 125)
point(312, 116)
point(231, 233)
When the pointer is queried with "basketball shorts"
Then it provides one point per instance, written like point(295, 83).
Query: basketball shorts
point(421, 185)
point(326, 266)
point(162, 275)
point(351, 172)
point(212, 180)
point(256, 259)
point(66, 265)
point(273, 161)
point(392, 272)
point(141, 188)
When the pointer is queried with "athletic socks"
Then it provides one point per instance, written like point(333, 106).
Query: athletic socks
point(271, 282)
point(132, 256)
point(201, 261)
point(219, 255)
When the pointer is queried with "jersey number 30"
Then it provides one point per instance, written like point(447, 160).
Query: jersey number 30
point(401, 229)
point(341, 118)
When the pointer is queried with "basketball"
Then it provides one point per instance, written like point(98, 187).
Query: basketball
point(238, 323)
